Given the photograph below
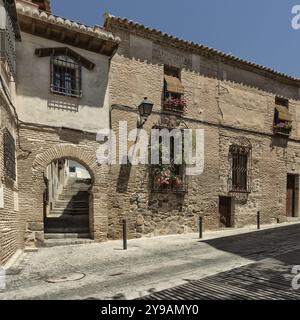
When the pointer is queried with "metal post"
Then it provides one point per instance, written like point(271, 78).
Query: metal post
point(124, 234)
point(278, 220)
point(200, 227)
point(258, 220)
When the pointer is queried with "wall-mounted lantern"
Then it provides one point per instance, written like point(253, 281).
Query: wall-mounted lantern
point(145, 110)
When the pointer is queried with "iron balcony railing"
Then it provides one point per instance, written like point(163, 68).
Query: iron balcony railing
point(7, 47)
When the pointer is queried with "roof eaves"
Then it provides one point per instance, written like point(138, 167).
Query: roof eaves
point(204, 49)
point(96, 31)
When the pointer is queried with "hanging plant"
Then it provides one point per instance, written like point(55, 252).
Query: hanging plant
point(175, 104)
point(164, 175)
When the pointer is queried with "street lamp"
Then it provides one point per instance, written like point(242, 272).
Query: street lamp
point(145, 110)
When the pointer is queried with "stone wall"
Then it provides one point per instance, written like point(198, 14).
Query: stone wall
point(228, 103)
point(50, 144)
point(9, 215)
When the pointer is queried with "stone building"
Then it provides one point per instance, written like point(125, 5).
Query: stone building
point(9, 223)
point(62, 101)
point(250, 118)
point(73, 81)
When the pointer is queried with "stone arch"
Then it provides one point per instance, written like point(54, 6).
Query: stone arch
point(98, 214)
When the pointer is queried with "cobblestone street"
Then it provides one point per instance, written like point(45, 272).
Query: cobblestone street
point(151, 265)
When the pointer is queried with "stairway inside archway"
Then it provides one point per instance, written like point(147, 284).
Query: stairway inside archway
point(68, 220)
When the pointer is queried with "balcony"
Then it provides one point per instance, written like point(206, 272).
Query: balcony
point(7, 48)
point(283, 128)
point(177, 105)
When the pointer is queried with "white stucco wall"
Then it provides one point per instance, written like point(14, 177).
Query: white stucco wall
point(35, 102)
point(81, 172)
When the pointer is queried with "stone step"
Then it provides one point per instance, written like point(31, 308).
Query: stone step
point(75, 202)
point(67, 214)
point(75, 208)
point(293, 219)
point(72, 225)
point(70, 210)
point(77, 191)
point(73, 198)
point(65, 242)
point(67, 217)
point(67, 230)
point(63, 235)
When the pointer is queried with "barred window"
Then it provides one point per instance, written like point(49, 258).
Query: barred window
point(169, 177)
point(9, 155)
point(65, 76)
point(240, 167)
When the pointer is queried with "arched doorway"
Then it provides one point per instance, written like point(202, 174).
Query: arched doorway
point(98, 211)
point(67, 200)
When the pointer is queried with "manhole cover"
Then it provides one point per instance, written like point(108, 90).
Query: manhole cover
point(66, 278)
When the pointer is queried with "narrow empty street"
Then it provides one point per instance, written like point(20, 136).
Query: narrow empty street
point(243, 264)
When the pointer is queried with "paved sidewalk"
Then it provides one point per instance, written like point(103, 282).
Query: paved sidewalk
point(105, 271)
point(269, 279)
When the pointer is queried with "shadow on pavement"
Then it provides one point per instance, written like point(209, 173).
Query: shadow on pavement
point(262, 244)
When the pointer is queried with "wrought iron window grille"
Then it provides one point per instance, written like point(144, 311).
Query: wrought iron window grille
point(66, 76)
point(9, 154)
point(240, 155)
point(8, 47)
point(168, 178)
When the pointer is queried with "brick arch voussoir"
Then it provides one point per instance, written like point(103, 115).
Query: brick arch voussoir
point(84, 157)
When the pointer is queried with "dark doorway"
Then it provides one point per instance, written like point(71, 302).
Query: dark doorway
point(291, 195)
point(226, 219)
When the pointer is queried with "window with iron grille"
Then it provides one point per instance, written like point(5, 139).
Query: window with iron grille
point(169, 177)
point(240, 168)
point(65, 76)
point(9, 155)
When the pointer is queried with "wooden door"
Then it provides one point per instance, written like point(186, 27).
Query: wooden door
point(225, 212)
point(290, 196)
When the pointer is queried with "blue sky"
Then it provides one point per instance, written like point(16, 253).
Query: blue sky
point(256, 30)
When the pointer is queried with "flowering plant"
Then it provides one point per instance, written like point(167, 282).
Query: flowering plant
point(284, 125)
point(164, 177)
point(177, 104)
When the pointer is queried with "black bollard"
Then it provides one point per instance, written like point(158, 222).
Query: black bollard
point(200, 227)
point(258, 220)
point(124, 234)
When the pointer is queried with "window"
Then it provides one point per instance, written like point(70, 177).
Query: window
point(173, 90)
point(282, 118)
point(66, 66)
point(7, 45)
point(66, 76)
point(240, 167)
point(9, 155)
point(169, 177)
point(282, 102)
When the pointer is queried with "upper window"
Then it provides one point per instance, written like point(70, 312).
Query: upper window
point(173, 90)
point(282, 118)
point(66, 76)
point(66, 66)
point(9, 155)
point(282, 102)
